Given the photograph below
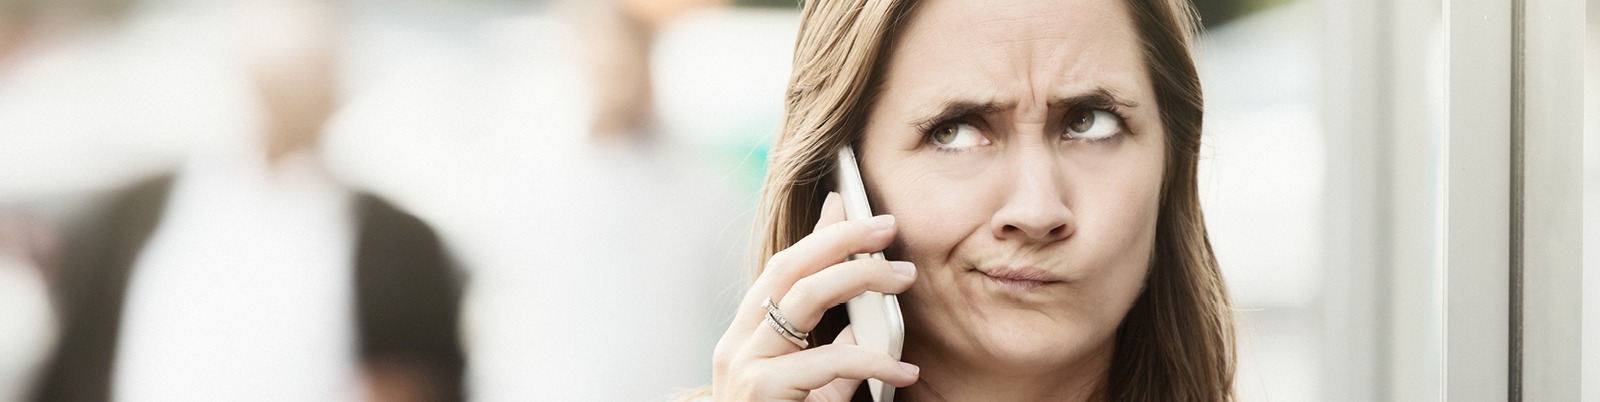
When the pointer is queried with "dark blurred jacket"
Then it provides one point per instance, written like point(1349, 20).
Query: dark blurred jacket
point(407, 296)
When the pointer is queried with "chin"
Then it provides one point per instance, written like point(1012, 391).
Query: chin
point(1038, 342)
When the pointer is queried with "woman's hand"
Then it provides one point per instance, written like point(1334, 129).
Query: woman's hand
point(754, 362)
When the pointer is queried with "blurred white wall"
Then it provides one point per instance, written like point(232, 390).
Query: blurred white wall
point(1591, 208)
point(1261, 183)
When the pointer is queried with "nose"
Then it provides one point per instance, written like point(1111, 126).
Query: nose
point(1035, 205)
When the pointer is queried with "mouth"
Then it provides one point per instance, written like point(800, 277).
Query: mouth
point(1020, 279)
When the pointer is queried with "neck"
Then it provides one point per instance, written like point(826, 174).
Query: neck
point(947, 378)
point(280, 152)
point(286, 138)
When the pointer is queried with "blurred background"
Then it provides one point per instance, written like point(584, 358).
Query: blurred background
point(591, 168)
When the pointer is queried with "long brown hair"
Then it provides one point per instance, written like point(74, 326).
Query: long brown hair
point(1177, 342)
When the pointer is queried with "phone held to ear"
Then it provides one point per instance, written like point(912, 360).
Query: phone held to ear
point(875, 317)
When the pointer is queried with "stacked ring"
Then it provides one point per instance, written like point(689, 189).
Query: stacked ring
point(779, 323)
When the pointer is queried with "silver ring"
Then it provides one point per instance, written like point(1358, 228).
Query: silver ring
point(772, 312)
point(778, 323)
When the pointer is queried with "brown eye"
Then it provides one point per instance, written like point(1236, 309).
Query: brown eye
point(1081, 120)
point(945, 134)
point(1093, 124)
point(956, 136)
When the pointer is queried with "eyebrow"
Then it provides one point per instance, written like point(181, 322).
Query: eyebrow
point(1099, 97)
point(956, 109)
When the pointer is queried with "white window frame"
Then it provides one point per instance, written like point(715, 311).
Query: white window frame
point(1455, 259)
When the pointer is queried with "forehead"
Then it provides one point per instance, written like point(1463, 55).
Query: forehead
point(1017, 50)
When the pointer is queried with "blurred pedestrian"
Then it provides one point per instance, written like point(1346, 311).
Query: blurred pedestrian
point(249, 273)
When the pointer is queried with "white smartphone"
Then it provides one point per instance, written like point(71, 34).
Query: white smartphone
point(874, 316)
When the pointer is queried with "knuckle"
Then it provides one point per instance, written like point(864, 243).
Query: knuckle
point(721, 357)
point(759, 381)
point(859, 356)
point(800, 294)
point(884, 272)
point(845, 355)
point(719, 366)
point(887, 367)
point(863, 273)
point(883, 266)
point(872, 267)
point(745, 376)
point(843, 230)
point(871, 362)
point(780, 261)
point(860, 240)
point(854, 229)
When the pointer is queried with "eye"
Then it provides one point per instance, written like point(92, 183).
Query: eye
point(956, 136)
point(1093, 124)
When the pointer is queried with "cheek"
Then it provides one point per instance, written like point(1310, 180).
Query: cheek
point(1116, 207)
point(1120, 208)
point(934, 211)
point(1118, 191)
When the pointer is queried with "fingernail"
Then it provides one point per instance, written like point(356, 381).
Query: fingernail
point(881, 222)
point(910, 368)
point(904, 268)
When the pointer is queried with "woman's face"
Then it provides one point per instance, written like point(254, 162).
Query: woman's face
point(1019, 144)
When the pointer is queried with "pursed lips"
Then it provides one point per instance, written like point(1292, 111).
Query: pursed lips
point(1020, 278)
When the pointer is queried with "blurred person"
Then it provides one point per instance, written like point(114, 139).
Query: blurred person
point(576, 232)
point(1035, 165)
point(250, 273)
point(620, 34)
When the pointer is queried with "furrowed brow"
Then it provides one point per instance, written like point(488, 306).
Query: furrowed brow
point(1099, 97)
point(956, 109)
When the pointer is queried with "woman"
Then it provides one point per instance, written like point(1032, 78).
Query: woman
point(1035, 165)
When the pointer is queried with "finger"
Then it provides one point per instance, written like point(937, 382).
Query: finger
point(832, 211)
point(817, 367)
point(841, 389)
point(806, 301)
point(823, 248)
point(749, 311)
